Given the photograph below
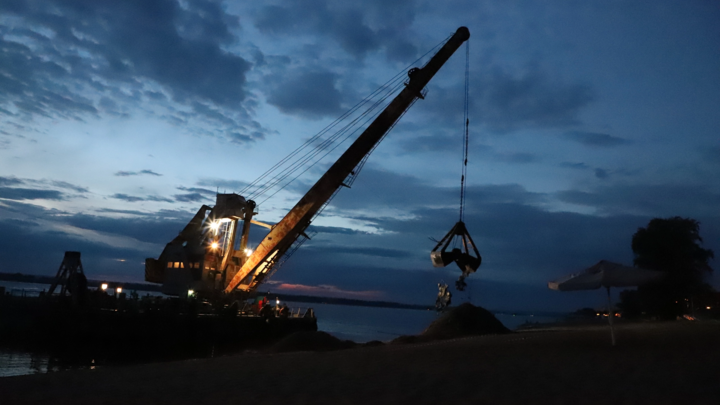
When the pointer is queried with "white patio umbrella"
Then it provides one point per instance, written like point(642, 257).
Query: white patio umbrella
point(606, 274)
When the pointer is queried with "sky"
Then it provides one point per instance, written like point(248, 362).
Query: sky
point(118, 120)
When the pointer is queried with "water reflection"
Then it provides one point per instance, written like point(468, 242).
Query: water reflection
point(16, 362)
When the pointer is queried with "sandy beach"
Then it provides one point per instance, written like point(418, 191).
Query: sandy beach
point(653, 363)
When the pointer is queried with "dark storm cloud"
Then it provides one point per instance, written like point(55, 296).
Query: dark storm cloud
point(310, 94)
point(357, 28)
point(132, 198)
point(595, 139)
point(141, 172)
point(20, 194)
point(650, 199)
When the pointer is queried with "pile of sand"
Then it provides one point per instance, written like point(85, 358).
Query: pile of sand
point(310, 341)
point(464, 320)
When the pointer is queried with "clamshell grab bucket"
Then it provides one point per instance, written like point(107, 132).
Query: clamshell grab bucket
point(462, 257)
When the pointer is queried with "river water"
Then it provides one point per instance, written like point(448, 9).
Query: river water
point(359, 324)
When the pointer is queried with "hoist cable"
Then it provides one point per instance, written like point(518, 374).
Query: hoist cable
point(314, 138)
point(324, 146)
point(350, 134)
point(257, 190)
point(466, 135)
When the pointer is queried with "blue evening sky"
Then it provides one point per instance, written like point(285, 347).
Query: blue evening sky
point(119, 119)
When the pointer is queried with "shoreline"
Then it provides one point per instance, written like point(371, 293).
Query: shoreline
point(660, 362)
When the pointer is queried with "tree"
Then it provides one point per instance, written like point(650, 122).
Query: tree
point(671, 245)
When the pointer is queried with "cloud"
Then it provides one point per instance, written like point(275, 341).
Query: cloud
point(360, 250)
point(517, 157)
point(73, 60)
point(439, 141)
point(197, 190)
point(311, 94)
point(10, 181)
point(648, 199)
point(128, 198)
point(222, 184)
point(129, 212)
point(30, 194)
point(357, 29)
point(141, 172)
point(505, 101)
point(531, 100)
point(335, 230)
point(190, 197)
point(712, 154)
point(68, 186)
point(20, 241)
point(601, 173)
point(14, 181)
point(574, 165)
point(378, 189)
point(595, 139)
point(327, 291)
point(132, 198)
point(150, 228)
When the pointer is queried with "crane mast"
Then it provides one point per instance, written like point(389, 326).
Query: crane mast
point(285, 232)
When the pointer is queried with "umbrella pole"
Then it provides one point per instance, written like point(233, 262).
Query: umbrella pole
point(610, 317)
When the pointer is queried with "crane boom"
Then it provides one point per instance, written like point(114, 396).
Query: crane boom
point(285, 232)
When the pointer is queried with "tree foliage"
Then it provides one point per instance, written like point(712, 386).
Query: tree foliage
point(671, 245)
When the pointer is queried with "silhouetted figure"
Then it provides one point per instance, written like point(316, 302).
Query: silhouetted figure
point(267, 311)
point(77, 286)
point(284, 311)
point(263, 301)
point(444, 297)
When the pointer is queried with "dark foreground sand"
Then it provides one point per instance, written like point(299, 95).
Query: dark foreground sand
point(656, 363)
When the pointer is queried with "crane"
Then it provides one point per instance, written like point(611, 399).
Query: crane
point(203, 256)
